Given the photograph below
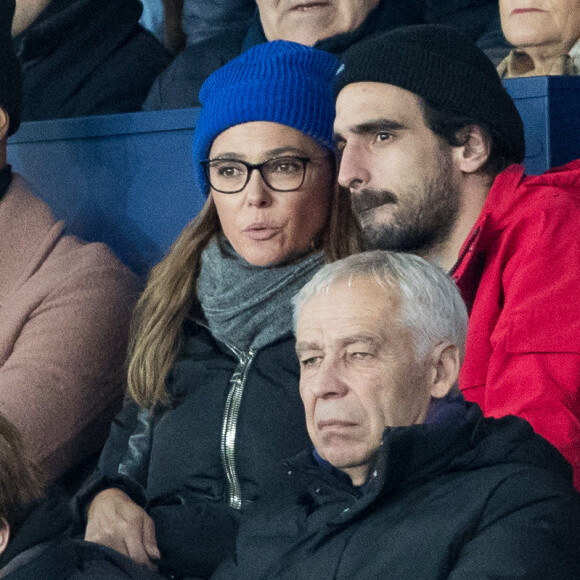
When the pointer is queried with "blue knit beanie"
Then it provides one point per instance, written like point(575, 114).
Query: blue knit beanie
point(282, 82)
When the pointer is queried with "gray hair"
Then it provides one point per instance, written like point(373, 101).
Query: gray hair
point(431, 306)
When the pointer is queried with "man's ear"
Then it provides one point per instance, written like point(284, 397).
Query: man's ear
point(445, 369)
point(4, 124)
point(474, 153)
point(4, 535)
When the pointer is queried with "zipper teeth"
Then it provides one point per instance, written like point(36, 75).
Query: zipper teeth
point(230, 424)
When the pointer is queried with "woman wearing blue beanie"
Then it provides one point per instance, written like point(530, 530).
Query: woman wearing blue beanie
point(213, 377)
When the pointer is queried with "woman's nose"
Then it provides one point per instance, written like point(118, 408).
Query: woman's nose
point(258, 194)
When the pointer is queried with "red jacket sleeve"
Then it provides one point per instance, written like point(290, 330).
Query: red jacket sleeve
point(534, 363)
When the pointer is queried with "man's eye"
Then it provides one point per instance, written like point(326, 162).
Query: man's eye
point(383, 136)
point(359, 355)
point(309, 361)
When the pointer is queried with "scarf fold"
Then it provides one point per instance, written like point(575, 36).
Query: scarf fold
point(249, 306)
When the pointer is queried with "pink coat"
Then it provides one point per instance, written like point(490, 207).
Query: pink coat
point(64, 314)
point(519, 273)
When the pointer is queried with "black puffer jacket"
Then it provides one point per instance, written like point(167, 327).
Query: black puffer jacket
point(178, 86)
point(41, 548)
point(475, 500)
point(235, 416)
point(87, 57)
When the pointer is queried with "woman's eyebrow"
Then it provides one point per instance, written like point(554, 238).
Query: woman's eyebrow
point(270, 153)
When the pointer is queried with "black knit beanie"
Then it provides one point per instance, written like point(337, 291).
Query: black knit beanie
point(443, 67)
point(10, 72)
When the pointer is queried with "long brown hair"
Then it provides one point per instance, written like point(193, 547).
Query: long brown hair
point(171, 294)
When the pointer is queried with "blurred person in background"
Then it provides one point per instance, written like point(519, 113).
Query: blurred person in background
point(545, 34)
point(35, 525)
point(333, 26)
point(84, 57)
point(65, 313)
point(164, 18)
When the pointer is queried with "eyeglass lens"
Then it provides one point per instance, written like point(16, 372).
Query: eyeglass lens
point(280, 173)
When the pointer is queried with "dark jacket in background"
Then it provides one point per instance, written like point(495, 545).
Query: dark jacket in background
point(41, 549)
point(173, 464)
point(178, 86)
point(472, 499)
point(87, 57)
point(205, 20)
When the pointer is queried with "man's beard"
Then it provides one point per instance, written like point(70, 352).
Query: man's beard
point(423, 220)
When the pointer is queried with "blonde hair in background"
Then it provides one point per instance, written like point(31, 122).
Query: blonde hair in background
point(170, 296)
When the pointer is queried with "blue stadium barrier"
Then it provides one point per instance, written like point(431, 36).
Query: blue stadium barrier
point(550, 110)
point(126, 180)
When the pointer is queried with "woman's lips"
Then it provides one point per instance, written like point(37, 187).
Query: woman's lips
point(261, 233)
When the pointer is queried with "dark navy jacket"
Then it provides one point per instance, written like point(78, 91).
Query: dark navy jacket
point(41, 548)
point(87, 57)
point(234, 417)
point(178, 86)
point(478, 499)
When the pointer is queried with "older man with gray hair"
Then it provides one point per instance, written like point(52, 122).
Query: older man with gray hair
point(405, 478)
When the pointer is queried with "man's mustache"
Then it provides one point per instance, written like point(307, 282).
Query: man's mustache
point(371, 198)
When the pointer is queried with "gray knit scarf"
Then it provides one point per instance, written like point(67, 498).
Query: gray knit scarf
point(249, 306)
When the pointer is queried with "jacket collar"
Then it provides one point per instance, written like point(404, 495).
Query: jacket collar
point(29, 233)
point(408, 456)
point(412, 456)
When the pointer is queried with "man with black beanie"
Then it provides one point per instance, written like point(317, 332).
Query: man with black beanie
point(430, 145)
point(64, 313)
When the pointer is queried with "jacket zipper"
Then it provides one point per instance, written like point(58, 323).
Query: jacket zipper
point(230, 424)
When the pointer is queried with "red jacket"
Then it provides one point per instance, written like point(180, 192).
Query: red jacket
point(519, 273)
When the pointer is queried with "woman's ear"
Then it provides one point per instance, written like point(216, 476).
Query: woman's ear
point(4, 535)
point(474, 153)
point(445, 369)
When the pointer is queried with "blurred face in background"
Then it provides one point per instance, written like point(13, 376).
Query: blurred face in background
point(550, 26)
point(308, 21)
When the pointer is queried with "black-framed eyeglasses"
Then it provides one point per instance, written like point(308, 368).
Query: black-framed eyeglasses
point(279, 173)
